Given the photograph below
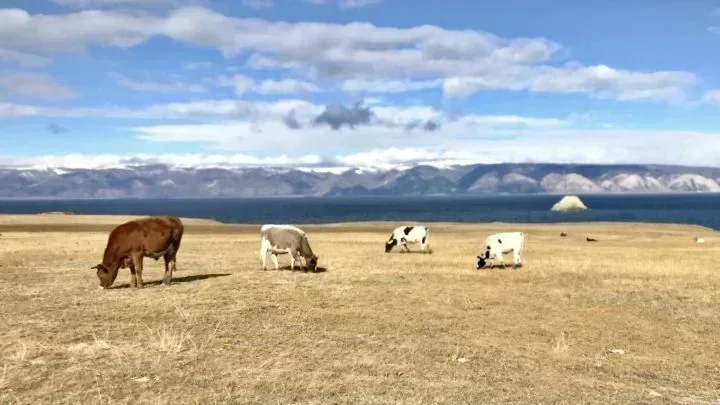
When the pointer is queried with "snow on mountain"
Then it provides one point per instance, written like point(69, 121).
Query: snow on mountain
point(633, 182)
point(693, 182)
point(569, 183)
point(485, 183)
point(429, 179)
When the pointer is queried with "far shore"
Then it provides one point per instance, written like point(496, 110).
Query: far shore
point(68, 222)
point(371, 196)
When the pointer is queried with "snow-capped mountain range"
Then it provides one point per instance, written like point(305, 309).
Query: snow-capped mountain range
point(169, 181)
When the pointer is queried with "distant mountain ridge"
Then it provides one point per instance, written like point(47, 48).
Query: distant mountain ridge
point(478, 179)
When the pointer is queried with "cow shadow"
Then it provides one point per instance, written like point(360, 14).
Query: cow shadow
point(318, 269)
point(175, 280)
point(501, 267)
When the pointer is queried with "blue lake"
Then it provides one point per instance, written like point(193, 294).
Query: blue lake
point(697, 208)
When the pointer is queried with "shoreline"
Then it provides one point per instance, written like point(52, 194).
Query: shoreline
point(65, 222)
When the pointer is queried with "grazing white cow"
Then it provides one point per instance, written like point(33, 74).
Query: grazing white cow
point(286, 239)
point(402, 235)
point(502, 243)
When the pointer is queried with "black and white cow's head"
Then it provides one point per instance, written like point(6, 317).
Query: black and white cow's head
point(313, 262)
point(482, 260)
point(390, 244)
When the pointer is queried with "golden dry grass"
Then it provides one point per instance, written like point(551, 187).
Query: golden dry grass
point(634, 318)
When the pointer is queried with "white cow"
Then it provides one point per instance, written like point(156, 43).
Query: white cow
point(502, 243)
point(286, 239)
point(402, 235)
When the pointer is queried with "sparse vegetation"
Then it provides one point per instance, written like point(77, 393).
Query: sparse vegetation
point(634, 319)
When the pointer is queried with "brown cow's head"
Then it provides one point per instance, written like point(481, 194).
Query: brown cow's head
point(106, 276)
point(312, 262)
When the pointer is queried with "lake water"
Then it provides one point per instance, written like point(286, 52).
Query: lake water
point(700, 209)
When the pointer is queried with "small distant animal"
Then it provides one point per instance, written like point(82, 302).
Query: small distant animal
point(563, 234)
point(699, 240)
point(286, 239)
point(498, 244)
point(402, 235)
point(589, 239)
point(129, 243)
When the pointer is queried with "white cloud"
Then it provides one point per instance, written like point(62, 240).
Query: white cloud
point(256, 135)
point(286, 86)
point(120, 3)
point(348, 4)
point(400, 157)
point(299, 149)
point(511, 121)
point(259, 3)
point(18, 110)
point(601, 81)
point(240, 113)
point(201, 109)
point(469, 60)
point(248, 128)
point(34, 85)
point(110, 28)
point(189, 160)
point(470, 138)
point(198, 65)
point(357, 3)
point(712, 96)
point(244, 84)
point(156, 87)
point(388, 86)
point(23, 58)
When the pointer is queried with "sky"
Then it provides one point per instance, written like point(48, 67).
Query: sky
point(358, 83)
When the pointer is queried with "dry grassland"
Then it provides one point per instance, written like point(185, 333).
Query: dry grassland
point(633, 318)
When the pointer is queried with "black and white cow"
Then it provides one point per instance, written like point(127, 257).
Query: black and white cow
point(286, 239)
point(502, 243)
point(402, 235)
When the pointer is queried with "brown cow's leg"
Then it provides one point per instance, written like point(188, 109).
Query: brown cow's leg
point(169, 269)
point(138, 260)
point(133, 278)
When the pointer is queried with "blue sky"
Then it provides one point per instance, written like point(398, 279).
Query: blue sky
point(90, 83)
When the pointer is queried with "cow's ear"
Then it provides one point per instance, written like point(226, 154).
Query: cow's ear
point(99, 267)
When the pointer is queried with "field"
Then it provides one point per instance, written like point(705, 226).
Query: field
point(633, 318)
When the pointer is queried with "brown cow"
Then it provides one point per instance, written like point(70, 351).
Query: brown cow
point(153, 237)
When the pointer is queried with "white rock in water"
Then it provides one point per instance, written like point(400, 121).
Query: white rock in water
point(569, 203)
